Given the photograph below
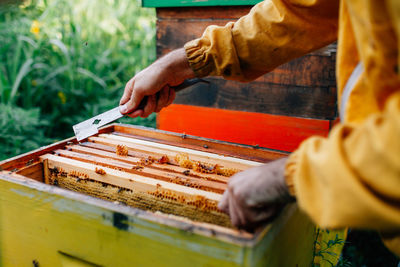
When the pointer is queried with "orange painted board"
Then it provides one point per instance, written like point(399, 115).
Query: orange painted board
point(250, 128)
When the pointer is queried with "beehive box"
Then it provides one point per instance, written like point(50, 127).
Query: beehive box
point(277, 110)
point(132, 196)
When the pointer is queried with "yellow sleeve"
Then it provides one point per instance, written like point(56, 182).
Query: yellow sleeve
point(274, 32)
point(352, 178)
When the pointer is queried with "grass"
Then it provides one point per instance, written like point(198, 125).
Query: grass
point(62, 62)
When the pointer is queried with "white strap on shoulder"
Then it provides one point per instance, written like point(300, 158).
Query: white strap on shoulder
point(348, 88)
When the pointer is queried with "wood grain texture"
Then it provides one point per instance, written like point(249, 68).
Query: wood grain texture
point(272, 131)
point(158, 153)
point(191, 152)
point(33, 171)
point(304, 87)
point(123, 179)
point(145, 171)
point(182, 139)
point(316, 102)
point(108, 152)
point(259, 154)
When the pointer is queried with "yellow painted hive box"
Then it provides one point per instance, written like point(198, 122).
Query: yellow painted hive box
point(133, 196)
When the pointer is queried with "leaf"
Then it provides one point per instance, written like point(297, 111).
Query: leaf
point(23, 71)
point(54, 73)
point(28, 40)
point(62, 47)
point(93, 76)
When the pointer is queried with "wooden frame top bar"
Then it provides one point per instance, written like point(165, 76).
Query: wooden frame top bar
point(253, 153)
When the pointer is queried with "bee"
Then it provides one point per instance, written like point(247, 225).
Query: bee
point(122, 150)
point(100, 171)
point(29, 162)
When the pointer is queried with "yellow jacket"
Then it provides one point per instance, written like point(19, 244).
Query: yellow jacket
point(351, 178)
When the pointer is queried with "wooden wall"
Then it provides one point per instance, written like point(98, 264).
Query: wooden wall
point(303, 88)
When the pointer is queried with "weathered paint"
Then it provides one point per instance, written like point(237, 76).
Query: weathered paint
point(53, 227)
point(43, 225)
point(33, 228)
point(183, 3)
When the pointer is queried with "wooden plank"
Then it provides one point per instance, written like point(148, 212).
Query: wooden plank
point(277, 132)
point(304, 87)
point(253, 153)
point(102, 150)
point(168, 38)
point(33, 171)
point(21, 161)
point(183, 3)
point(190, 152)
point(123, 179)
point(109, 152)
point(95, 159)
point(181, 179)
point(46, 172)
point(158, 153)
point(262, 96)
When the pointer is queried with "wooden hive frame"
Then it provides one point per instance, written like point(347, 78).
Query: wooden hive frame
point(145, 174)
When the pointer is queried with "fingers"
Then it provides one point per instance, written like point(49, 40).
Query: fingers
point(127, 92)
point(244, 216)
point(135, 97)
point(150, 106)
point(136, 113)
point(229, 205)
point(132, 98)
point(223, 205)
point(166, 97)
point(236, 213)
point(163, 98)
point(171, 96)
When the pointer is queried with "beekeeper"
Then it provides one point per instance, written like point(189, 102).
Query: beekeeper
point(352, 177)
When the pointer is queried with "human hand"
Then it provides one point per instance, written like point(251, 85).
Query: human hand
point(257, 195)
point(155, 82)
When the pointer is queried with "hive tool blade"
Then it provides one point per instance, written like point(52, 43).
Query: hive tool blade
point(91, 126)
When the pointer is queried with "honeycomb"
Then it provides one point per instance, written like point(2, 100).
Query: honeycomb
point(199, 202)
point(183, 161)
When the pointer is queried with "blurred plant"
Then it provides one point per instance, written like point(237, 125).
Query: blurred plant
point(21, 130)
point(328, 245)
point(70, 60)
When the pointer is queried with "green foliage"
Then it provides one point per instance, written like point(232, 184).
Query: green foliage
point(365, 248)
point(148, 122)
point(66, 61)
point(21, 130)
point(327, 247)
